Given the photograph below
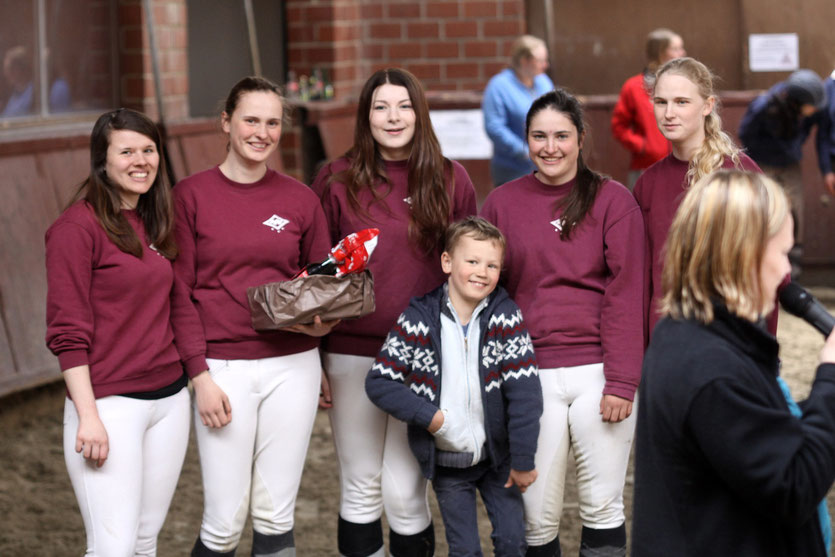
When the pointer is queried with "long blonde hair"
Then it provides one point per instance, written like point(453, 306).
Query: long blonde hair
point(716, 244)
point(717, 144)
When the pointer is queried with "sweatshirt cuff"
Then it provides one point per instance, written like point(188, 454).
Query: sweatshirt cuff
point(424, 415)
point(73, 358)
point(195, 365)
point(523, 463)
point(622, 390)
point(826, 372)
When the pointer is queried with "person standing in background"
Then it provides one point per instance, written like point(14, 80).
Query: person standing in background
point(633, 119)
point(773, 131)
point(826, 136)
point(507, 98)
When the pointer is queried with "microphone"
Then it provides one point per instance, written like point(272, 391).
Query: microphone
point(799, 302)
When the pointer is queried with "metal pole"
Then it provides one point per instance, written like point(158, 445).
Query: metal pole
point(253, 37)
point(149, 16)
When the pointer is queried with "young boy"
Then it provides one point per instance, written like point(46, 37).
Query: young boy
point(459, 368)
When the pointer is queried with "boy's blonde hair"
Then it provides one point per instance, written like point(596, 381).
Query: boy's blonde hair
point(715, 247)
point(475, 227)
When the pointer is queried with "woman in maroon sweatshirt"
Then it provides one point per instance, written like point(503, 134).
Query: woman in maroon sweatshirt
point(574, 266)
point(122, 327)
point(394, 178)
point(685, 107)
point(242, 224)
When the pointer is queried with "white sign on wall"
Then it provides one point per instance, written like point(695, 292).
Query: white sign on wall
point(773, 52)
point(461, 134)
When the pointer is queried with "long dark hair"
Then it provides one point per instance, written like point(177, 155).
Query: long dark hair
point(577, 204)
point(429, 170)
point(155, 207)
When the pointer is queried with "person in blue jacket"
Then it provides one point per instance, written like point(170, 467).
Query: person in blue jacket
point(507, 98)
point(826, 137)
point(773, 131)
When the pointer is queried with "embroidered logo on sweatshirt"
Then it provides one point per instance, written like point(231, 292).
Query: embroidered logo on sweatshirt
point(276, 223)
point(557, 225)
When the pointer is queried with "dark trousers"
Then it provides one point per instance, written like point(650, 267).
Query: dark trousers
point(455, 489)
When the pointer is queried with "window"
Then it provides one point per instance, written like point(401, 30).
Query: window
point(58, 58)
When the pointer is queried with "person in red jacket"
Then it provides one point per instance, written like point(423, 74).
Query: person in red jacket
point(396, 179)
point(633, 121)
point(123, 328)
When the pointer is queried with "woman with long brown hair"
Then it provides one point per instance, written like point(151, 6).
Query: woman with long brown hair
point(121, 323)
point(396, 179)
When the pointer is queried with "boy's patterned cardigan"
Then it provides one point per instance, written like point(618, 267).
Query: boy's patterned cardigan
point(405, 380)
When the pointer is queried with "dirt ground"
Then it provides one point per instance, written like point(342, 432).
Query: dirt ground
point(40, 514)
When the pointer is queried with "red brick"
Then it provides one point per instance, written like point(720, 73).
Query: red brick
point(300, 33)
point(513, 8)
point(446, 49)
point(346, 13)
point(480, 49)
point(325, 32)
point(294, 13)
point(295, 56)
point(372, 11)
point(181, 38)
point(481, 9)
point(374, 51)
point(502, 28)
point(460, 29)
point(422, 30)
point(314, 14)
point(386, 30)
point(343, 72)
point(442, 9)
point(346, 54)
point(410, 9)
point(319, 54)
point(445, 86)
point(425, 71)
point(405, 50)
point(492, 68)
point(461, 70)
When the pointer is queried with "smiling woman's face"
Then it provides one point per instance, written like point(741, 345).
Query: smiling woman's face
point(392, 121)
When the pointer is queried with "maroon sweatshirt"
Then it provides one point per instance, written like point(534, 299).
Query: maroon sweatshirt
point(128, 318)
point(581, 297)
point(232, 236)
point(400, 269)
point(659, 191)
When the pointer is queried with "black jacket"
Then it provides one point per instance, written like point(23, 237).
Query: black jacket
point(722, 467)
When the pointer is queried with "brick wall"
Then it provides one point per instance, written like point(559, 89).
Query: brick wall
point(449, 45)
point(136, 80)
